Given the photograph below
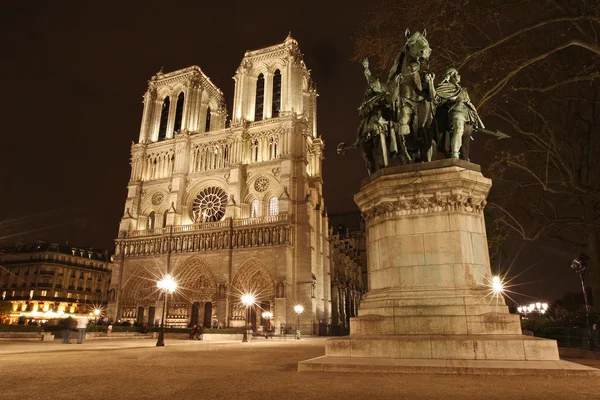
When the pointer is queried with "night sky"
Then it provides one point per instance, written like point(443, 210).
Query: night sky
point(74, 73)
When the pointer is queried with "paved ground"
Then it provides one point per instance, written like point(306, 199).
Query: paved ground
point(136, 369)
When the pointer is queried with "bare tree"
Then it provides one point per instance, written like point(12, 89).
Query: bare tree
point(532, 67)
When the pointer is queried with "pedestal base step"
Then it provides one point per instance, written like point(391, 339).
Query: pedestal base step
point(444, 347)
point(457, 367)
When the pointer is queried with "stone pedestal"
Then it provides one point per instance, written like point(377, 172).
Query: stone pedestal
point(430, 304)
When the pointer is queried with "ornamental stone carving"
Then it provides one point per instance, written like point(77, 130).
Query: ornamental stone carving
point(157, 198)
point(421, 204)
point(261, 184)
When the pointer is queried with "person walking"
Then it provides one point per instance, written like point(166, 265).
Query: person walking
point(82, 324)
point(193, 332)
point(68, 324)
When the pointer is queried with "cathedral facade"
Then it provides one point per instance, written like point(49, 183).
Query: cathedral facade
point(227, 208)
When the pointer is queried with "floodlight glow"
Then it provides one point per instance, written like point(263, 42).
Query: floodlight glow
point(298, 309)
point(167, 284)
point(248, 299)
point(267, 315)
point(497, 285)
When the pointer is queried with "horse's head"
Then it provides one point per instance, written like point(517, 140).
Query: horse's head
point(417, 46)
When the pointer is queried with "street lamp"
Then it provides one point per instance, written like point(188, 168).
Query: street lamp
point(579, 265)
point(298, 309)
point(538, 307)
point(96, 314)
point(247, 300)
point(267, 315)
point(167, 285)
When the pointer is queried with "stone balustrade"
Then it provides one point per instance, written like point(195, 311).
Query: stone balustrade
point(229, 234)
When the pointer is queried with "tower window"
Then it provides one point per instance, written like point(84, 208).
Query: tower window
point(164, 118)
point(260, 97)
point(254, 209)
point(276, 93)
point(164, 224)
point(273, 206)
point(207, 125)
point(178, 112)
point(151, 218)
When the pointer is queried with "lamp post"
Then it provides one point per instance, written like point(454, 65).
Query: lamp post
point(298, 309)
point(579, 265)
point(267, 315)
point(96, 314)
point(167, 285)
point(247, 300)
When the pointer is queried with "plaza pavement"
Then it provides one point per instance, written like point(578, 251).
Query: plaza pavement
point(261, 369)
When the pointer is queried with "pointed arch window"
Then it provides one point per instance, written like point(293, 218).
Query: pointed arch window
point(254, 209)
point(207, 123)
point(276, 105)
point(179, 113)
point(260, 98)
point(164, 118)
point(164, 224)
point(273, 206)
point(151, 220)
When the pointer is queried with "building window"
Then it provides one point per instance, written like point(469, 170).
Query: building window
point(164, 118)
point(164, 224)
point(273, 206)
point(260, 97)
point(150, 222)
point(44, 293)
point(207, 124)
point(276, 105)
point(69, 295)
point(56, 294)
point(254, 209)
point(178, 113)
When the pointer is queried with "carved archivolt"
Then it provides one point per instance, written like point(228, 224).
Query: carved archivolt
point(422, 204)
point(140, 289)
point(196, 281)
point(253, 277)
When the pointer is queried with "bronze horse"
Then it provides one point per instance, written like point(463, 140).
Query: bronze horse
point(412, 101)
point(396, 116)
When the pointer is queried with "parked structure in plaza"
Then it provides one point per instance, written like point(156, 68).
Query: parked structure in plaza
point(43, 280)
point(227, 208)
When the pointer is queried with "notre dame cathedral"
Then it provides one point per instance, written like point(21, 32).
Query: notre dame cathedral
point(227, 208)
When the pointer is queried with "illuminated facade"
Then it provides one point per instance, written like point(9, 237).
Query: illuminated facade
point(227, 209)
point(46, 280)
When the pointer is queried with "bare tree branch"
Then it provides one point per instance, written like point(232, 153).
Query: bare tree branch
point(523, 30)
point(548, 88)
point(493, 91)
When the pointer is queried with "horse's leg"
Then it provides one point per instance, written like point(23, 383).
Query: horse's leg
point(406, 115)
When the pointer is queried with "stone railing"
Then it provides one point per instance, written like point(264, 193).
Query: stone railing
point(229, 234)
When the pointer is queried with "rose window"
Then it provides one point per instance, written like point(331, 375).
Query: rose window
point(157, 198)
point(209, 205)
point(261, 184)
